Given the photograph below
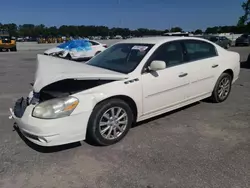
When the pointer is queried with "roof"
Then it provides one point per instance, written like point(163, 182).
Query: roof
point(156, 40)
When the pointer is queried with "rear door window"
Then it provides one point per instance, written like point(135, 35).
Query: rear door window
point(197, 50)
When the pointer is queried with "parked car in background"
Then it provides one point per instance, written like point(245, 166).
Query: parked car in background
point(243, 40)
point(77, 49)
point(129, 82)
point(221, 41)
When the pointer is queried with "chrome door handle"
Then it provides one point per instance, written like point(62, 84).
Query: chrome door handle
point(214, 66)
point(183, 74)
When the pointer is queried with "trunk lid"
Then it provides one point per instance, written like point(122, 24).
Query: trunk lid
point(51, 69)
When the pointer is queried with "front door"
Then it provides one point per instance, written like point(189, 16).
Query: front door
point(168, 87)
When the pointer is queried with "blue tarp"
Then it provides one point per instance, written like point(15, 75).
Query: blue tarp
point(78, 45)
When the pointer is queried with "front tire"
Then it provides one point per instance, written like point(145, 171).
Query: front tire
point(222, 88)
point(109, 122)
point(68, 57)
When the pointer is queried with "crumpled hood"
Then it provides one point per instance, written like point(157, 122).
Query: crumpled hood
point(51, 69)
point(53, 50)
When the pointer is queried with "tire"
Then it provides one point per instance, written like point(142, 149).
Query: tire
point(68, 57)
point(13, 49)
point(228, 46)
point(248, 59)
point(221, 85)
point(97, 53)
point(105, 138)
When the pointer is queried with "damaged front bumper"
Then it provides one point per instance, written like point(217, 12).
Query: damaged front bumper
point(46, 132)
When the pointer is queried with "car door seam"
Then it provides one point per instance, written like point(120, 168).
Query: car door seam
point(202, 79)
point(160, 92)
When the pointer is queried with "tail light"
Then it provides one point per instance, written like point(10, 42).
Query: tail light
point(105, 45)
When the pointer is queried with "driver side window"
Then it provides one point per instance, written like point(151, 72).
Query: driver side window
point(171, 53)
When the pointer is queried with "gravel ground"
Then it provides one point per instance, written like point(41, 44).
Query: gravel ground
point(204, 145)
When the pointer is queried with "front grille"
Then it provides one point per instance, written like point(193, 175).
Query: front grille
point(20, 107)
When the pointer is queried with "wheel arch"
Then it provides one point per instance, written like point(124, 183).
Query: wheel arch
point(230, 72)
point(126, 99)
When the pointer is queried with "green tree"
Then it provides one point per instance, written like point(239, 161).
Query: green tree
point(246, 7)
point(198, 32)
point(212, 30)
point(176, 29)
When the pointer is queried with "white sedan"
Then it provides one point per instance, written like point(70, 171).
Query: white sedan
point(131, 81)
point(77, 49)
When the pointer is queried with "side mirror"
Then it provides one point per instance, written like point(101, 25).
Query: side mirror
point(157, 65)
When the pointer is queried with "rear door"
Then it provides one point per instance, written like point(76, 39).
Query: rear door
point(202, 65)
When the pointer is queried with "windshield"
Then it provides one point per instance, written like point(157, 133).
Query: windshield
point(124, 57)
point(5, 38)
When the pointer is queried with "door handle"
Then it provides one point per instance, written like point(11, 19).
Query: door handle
point(183, 74)
point(214, 66)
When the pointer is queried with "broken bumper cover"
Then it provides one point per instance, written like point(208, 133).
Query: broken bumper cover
point(49, 132)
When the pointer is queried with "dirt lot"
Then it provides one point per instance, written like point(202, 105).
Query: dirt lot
point(204, 145)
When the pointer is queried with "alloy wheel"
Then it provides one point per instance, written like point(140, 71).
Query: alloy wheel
point(224, 88)
point(113, 123)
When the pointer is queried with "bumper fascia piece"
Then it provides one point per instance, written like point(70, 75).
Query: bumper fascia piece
point(51, 132)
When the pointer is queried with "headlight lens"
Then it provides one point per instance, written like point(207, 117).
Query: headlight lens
point(55, 108)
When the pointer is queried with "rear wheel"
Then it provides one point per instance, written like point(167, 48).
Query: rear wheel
point(222, 88)
point(97, 53)
point(13, 49)
point(110, 122)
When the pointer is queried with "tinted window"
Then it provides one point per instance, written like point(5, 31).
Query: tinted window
point(245, 36)
point(170, 53)
point(199, 50)
point(214, 39)
point(123, 57)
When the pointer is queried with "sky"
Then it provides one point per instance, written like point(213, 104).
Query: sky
point(133, 14)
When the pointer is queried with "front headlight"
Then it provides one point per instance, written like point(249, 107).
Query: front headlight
point(55, 108)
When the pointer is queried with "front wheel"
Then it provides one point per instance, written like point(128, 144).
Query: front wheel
point(110, 122)
point(68, 57)
point(222, 88)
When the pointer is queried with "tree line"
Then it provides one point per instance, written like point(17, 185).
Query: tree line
point(41, 30)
